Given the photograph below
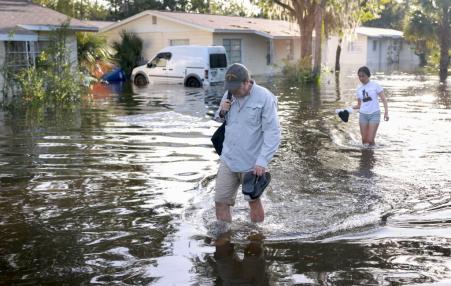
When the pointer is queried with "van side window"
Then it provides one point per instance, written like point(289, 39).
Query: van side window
point(161, 60)
point(218, 61)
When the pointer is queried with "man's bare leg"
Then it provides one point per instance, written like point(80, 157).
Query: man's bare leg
point(223, 212)
point(257, 211)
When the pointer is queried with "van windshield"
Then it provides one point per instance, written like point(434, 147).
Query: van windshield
point(218, 61)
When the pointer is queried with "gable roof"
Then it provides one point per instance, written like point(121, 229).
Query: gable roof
point(378, 32)
point(221, 24)
point(19, 16)
point(99, 24)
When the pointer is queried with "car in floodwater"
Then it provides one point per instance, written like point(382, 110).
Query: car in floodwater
point(192, 66)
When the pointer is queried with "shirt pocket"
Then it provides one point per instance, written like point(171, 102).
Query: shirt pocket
point(254, 114)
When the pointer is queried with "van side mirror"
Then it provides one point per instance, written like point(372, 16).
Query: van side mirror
point(150, 65)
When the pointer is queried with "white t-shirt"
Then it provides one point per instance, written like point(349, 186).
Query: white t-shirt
point(368, 94)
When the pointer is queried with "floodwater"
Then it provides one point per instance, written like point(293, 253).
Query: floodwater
point(120, 192)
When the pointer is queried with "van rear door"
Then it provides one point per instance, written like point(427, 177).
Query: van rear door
point(218, 65)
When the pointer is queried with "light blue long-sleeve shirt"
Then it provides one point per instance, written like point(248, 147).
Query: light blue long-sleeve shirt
point(252, 133)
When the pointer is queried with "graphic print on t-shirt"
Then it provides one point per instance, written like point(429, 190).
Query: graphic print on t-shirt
point(368, 94)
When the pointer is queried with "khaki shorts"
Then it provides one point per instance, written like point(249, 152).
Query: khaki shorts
point(227, 184)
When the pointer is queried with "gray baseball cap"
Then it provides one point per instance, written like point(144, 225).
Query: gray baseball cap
point(235, 75)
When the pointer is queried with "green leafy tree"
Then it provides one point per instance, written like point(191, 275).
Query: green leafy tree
point(342, 17)
point(233, 7)
point(428, 24)
point(419, 30)
point(391, 16)
point(328, 16)
point(80, 9)
point(128, 51)
point(121, 9)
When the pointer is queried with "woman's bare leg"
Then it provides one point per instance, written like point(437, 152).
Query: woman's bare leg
point(372, 130)
point(364, 132)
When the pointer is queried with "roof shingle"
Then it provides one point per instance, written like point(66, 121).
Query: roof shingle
point(22, 12)
point(219, 23)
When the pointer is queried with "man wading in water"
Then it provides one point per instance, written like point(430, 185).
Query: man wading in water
point(252, 136)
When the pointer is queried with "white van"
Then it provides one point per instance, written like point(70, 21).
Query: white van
point(193, 66)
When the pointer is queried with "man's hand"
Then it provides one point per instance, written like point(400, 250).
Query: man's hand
point(259, 170)
point(225, 105)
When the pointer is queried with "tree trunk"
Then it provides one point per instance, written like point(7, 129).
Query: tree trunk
point(318, 29)
point(306, 27)
point(444, 44)
point(337, 55)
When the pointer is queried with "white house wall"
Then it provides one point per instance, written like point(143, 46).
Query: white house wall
point(157, 36)
point(382, 52)
point(253, 51)
point(282, 51)
point(408, 60)
point(391, 54)
point(71, 45)
point(353, 52)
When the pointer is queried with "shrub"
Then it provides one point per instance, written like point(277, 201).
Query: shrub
point(128, 52)
point(298, 72)
point(53, 80)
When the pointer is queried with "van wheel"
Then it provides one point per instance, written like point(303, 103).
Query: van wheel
point(140, 80)
point(193, 82)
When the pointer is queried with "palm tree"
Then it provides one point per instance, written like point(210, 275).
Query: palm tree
point(93, 52)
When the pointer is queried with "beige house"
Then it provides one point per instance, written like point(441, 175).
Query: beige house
point(260, 44)
point(24, 32)
point(379, 49)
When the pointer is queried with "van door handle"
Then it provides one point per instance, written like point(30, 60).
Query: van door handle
point(170, 69)
point(164, 69)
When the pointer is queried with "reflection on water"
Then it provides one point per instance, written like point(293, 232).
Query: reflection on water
point(121, 191)
point(251, 269)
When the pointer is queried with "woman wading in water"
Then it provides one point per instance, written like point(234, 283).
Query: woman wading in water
point(367, 96)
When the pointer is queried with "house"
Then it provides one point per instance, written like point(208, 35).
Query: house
point(260, 44)
point(379, 49)
point(24, 32)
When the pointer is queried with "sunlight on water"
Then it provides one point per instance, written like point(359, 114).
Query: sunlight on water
point(122, 192)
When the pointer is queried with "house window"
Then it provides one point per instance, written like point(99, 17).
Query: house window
point(20, 55)
point(154, 20)
point(233, 49)
point(179, 42)
point(374, 45)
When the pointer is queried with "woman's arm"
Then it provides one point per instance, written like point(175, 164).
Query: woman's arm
point(384, 101)
point(359, 102)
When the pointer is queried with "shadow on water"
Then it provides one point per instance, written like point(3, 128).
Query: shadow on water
point(120, 191)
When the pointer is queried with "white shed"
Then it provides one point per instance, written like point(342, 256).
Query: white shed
point(379, 49)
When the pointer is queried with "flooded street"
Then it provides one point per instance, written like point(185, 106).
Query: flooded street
point(121, 191)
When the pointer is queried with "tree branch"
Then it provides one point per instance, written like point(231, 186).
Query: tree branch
point(285, 6)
